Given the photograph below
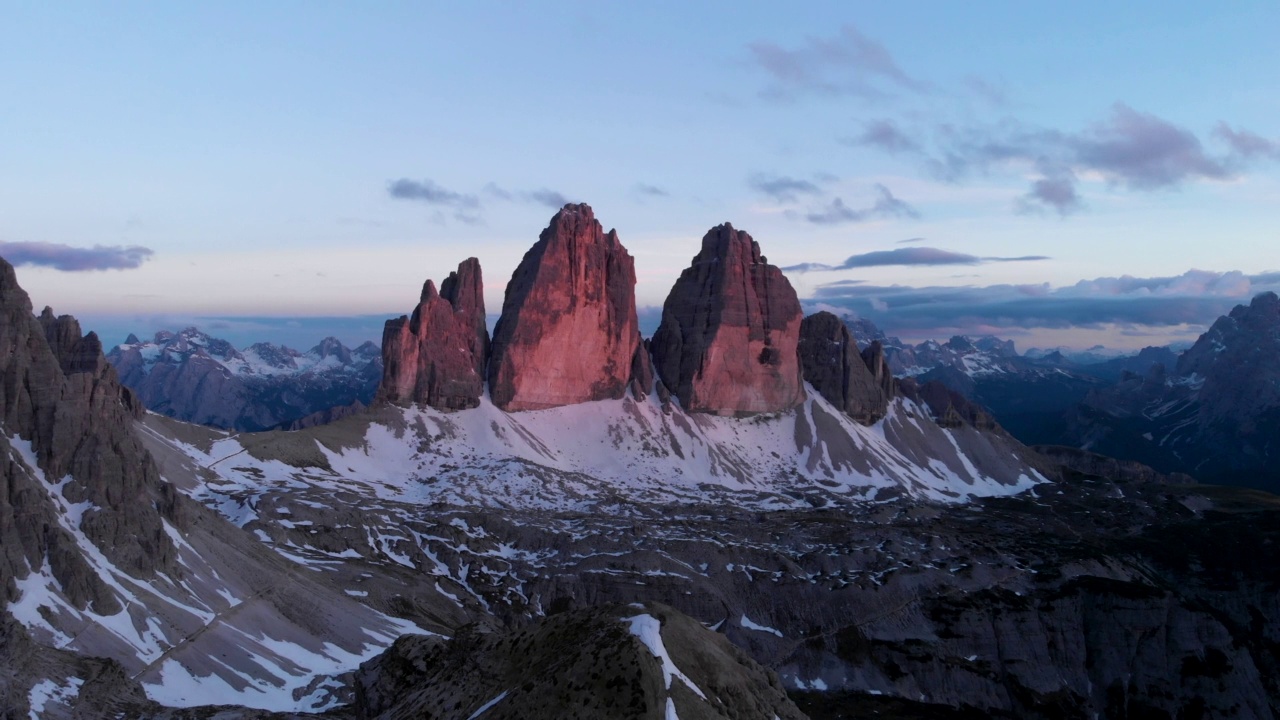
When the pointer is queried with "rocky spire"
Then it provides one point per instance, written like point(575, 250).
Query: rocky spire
point(437, 355)
point(730, 327)
point(831, 362)
point(568, 332)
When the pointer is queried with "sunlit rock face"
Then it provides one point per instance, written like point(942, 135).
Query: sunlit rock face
point(568, 331)
point(437, 355)
point(729, 332)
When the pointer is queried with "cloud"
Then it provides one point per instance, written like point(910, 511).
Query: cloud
point(886, 205)
point(909, 240)
point(887, 136)
point(429, 192)
point(782, 189)
point(1196, 297)
point(550, 198)
point(651, 190)
point(1127, 148)
point(849, 63)
point(907, 256)
point(543, 196)
point(74, 259)
point(1246, 144)
point(1056, 193)
point(1143, 151)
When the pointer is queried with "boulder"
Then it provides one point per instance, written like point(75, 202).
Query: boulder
point(568, 331)
point(729, 333)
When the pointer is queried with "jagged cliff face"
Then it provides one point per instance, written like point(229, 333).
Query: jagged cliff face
point(1215, 416)
point(66, 418)
point(729, 332)
point(197, 378)
point(437, 355)
point(568, 331)
point(835, 368)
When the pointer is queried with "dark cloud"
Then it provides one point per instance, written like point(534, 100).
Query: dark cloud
point(1056, 193)
point(550, 198)
point(848, 64)
point(75, 259)
point(429, 192)
point(887, 136)
point(1143, 151)
point(1194, 298)
point(651, 190)
point(908, 256)
point(909, 240)
point(782, 189)
point(1246, 144)
point(886, 205)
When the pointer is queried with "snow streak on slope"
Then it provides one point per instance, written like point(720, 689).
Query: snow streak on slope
point(613, 453)
point(227, 628)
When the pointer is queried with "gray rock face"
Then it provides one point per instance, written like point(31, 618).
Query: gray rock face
point(835, 368)
point(1215, 416)
point(59, 395)
point(582, 663)
point(437, 356)
point(197, 378)
point(568, 332)
point(730, 327)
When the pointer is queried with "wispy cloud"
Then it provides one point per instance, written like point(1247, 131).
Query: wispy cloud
point(849, 63)
point(653, 191)
point(1134, 150)
point(549, 198)
point(886, 135)
point(782, 188)
point(886, 205)
point(75, 259)
point(429, 192)
point(908, 256)
point(1246, 144)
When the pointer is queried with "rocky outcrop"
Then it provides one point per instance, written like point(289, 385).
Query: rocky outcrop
point(730, 329)
point(568, 331)
point(834, 367)
point(437, 355)
point(61, 402)
point(873, 357)
point(1089, 463)
point(194, 377)
point(617, 661)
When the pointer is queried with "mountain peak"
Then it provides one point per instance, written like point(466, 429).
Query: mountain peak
point(730, 330)
point(568, 330)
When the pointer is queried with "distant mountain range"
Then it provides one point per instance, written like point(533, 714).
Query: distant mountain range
point(1212, 412)
point(192, 376)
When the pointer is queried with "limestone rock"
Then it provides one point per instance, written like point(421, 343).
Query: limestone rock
point(874, 358)
point(58, 394)
point(831, 362)
point(437, 355)
point(730, 329)
point(568, 332)
point(596, 662)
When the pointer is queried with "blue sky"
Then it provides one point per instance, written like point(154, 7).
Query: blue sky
point(321, 160)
